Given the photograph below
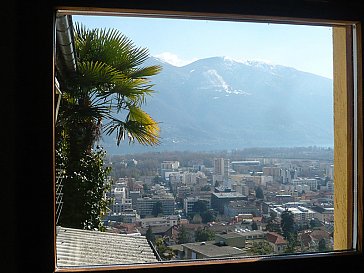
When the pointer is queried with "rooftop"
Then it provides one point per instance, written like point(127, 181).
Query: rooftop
point(77, 247)
point(210, 250)
point(227, 194)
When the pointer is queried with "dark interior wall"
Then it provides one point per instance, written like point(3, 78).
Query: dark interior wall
point(27, 157)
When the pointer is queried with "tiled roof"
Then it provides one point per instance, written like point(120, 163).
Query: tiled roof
point(77, 247)
point(275, 238)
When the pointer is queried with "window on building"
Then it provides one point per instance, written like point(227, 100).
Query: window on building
point(251, 129)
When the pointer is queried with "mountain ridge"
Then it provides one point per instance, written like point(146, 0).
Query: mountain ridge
point(218, 103)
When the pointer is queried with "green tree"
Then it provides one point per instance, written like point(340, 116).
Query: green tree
point(288, 230)
point(165, 252)
point(182, 236)
point(200, 207)
point(104, 95)
point(254, 226)
point(149, 235)
point(287, 223)
point(259, 193)
point(322, 245)
point(202, 235)
point(157, 209)
point(85, 201)
point(261, 248)
point(272, 224)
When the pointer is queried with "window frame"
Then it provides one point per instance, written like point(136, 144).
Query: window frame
point(302, 12)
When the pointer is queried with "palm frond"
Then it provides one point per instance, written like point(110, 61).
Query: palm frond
point(137, 126)
point(145, 71)
point(95, 74)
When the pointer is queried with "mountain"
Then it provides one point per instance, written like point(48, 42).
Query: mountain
point(218, 103)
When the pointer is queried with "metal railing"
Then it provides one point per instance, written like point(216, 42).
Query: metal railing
point(59, 192)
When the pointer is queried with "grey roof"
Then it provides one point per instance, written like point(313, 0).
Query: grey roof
point(77, 247)
point(227, 195)
point(210, 250)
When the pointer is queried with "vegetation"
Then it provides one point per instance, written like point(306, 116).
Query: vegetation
point(261, 248)
point(104, 96)
point(287, 224)
point(272, 224)
point(200, 208)
point(259, 193)
point(322, 246)
point(202, 235)
point(149, 235)
point(165, 252)
point(288, 230)
point(183, 236)
point(157, 209)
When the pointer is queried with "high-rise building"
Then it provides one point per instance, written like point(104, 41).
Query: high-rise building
point(221, 167)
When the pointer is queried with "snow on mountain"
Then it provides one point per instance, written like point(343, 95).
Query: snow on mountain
point(220, 103)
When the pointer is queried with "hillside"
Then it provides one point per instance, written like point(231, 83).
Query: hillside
point(218, 103)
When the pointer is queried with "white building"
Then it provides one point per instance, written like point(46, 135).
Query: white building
point(167, 221)
point(311, 182)
point(170, 165)
point(301, 214)
point(221, 167)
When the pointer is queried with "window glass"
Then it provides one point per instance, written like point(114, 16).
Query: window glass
point(237, 154)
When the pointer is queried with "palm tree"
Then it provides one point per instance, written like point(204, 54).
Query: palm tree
point(105, 95)
point(109, 86)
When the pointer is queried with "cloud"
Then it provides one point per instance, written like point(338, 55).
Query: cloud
point(173, 59)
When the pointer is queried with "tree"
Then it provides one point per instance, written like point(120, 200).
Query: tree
point(261, 248)
point(200, 208)
point(149, 235)
point(104, 95)
point(165, 252)
point(288, 230)
point(202, 235)
point(157, 209)
point(254, 226)
point(272, 224)
point(182, 236)
point(322, 245)
point(287, 223)
point(85, 197)
point(259, 193)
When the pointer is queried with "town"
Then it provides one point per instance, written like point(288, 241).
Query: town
point(220, 207)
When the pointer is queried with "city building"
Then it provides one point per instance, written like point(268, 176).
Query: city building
point(302, 215)
point(245, 166)
point(189, 202)
point(170, 165)
point(234, 208)
point(324, 214)
point(220, 199)
point(311, 182)
point(221, 169)
point(167, 221)
point(145, 205)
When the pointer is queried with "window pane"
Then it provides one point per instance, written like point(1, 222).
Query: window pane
point(243, 165)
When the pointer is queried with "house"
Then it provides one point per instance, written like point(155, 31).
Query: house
point(205, 250)
point(277, 241)
point(311, 239)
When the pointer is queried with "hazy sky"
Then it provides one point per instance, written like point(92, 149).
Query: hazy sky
point(181, 41)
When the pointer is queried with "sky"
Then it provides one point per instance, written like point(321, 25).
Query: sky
point(182, 41)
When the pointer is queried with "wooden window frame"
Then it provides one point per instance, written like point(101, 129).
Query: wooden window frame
point(36, 108)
